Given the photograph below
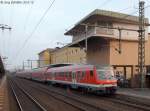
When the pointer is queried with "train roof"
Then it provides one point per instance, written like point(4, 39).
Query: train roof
point(83, 66)
point(60, 65)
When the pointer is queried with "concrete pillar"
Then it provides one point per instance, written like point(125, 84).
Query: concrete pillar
point(98, 52)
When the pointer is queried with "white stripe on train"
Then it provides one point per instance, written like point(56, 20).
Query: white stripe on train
point(84, 84)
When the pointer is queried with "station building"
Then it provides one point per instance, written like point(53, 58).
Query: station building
point(99, 32)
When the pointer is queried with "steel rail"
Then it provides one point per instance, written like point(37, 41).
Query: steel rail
point(18, 102)
point(29, 96)
point(53, 94)
point(130, 104)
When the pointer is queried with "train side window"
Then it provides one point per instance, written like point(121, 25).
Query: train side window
point(70, 74)
point(65, 74)
point(54, 74)
point(62, 74)
point(91, 73)
point(83, 74)
point(78, 75)
point(59, 74)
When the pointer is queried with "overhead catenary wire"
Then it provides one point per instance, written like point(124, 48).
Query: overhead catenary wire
point(26, 22)
point(101, 5)
point(35, 28)
point(134, 12)
point(31, 34)
point(123, 17)
point(9, 43)
point(125, 9)
point(27, 17)
point(104, 3)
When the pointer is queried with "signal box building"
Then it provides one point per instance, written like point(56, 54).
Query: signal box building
point(100, 32)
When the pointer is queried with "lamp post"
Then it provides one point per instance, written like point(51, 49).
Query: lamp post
point(3, 27)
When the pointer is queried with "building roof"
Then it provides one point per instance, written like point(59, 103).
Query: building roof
point(48, 49)
point(113, 16)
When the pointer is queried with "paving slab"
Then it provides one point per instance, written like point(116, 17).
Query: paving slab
point(4, 106)
point(135, 92)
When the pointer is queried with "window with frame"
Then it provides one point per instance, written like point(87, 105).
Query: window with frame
point(83, 74)
point(70, 74)
point(91, 73)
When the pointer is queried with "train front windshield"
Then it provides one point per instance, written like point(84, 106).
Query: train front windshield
point(105, 74)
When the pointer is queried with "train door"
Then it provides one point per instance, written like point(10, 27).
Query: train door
point(74, 77)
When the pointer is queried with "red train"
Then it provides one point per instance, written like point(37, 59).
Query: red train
point(88, 77)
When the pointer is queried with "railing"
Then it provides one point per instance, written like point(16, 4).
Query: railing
point(96, 31)
point(104, 31)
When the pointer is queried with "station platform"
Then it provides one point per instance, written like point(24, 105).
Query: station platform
point(135, 92)
point(4, 106)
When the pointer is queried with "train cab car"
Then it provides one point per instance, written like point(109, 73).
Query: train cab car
point(90, 77)
point(106, 80)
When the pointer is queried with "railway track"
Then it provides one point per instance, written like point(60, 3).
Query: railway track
point(76, 100)
point(24, 100)
point(73, 100)
point(130, 104)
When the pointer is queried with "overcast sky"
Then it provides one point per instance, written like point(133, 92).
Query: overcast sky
point(62, 15)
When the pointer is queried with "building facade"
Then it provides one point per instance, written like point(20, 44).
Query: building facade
point(44, 57)
point(68, 55)
point(111, 38)
point(62, 55)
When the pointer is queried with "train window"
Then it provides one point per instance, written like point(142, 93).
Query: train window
point(91, 73)
point(70, 74)
point(78, 75)
point(105, 74)
point(54, 74)
point(67, 74)
point(83, 74)
point(59, 74)
point(62, 74)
